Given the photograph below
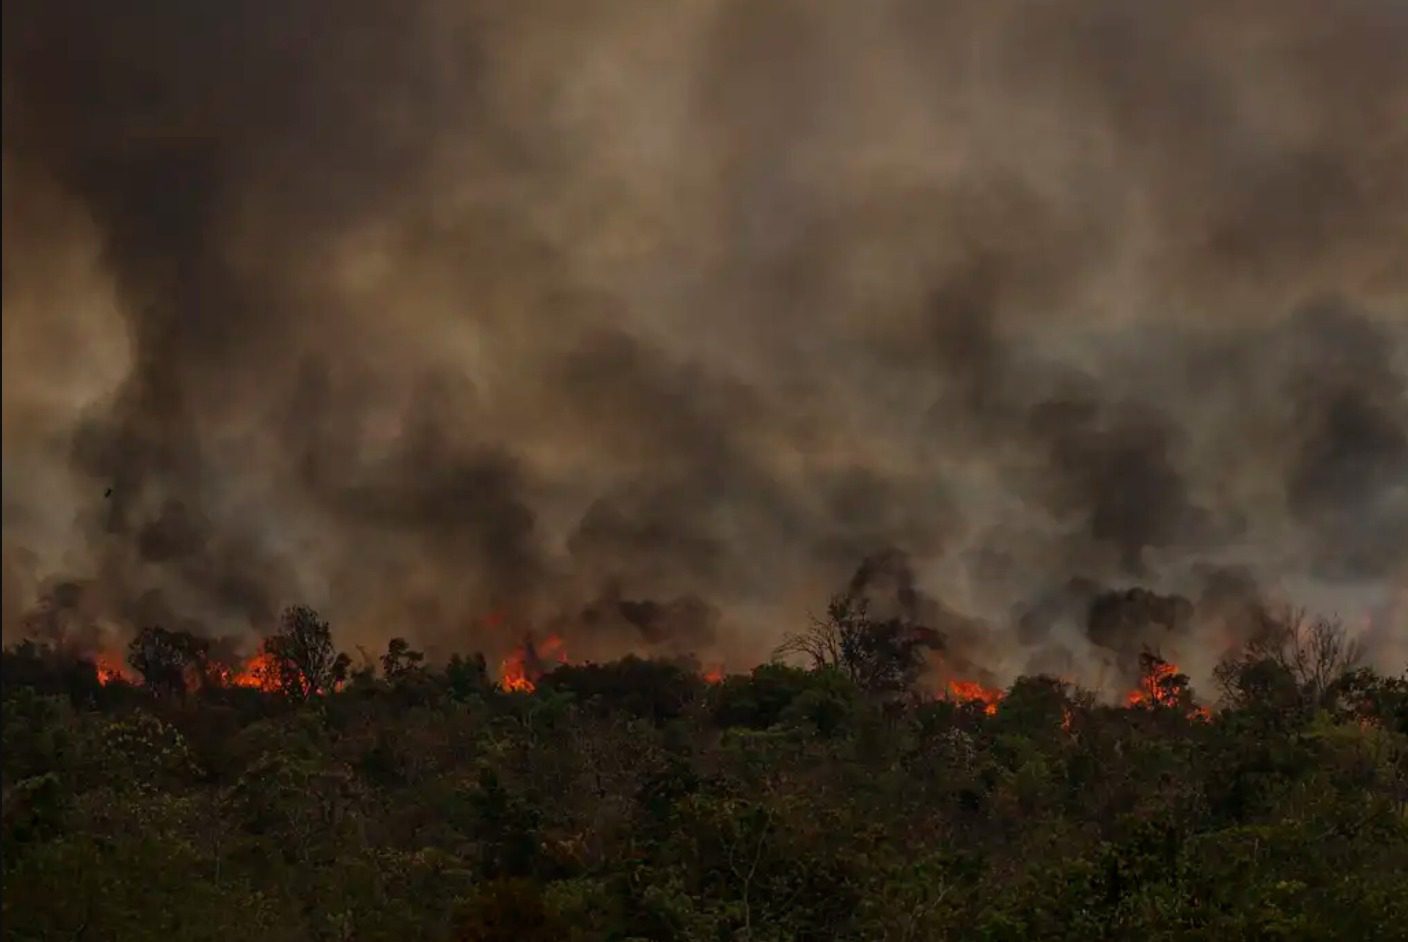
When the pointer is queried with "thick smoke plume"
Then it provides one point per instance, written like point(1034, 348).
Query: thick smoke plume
point(421, 312)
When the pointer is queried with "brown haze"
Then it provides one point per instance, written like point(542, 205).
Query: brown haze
point(653, 320)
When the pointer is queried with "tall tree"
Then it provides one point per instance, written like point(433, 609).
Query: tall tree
point(399, 659)
point(879, 656)
point(301, 654)
point(1313, 653)
point(169, 661)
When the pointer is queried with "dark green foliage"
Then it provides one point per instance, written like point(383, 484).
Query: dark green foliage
point(632, 801)
point(774, 692)
point(1036, 706)
point(169, 661)
point(1362, 695)
point(45, 668)
point(399, 660)
point(467, 677)
point(656, 690)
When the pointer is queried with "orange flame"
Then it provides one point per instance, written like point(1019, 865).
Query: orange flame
point(713, 675)
point(519, 672)
point(969, 691)
point(259, 672)
point(1153, 687)
point(110, 669)
point(513, 674)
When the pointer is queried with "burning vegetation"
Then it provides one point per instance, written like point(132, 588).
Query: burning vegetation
point(521, 670)
point(297, 661)
point(871, 639)
point(110, 670)
point(1160, 684)
point(258, 673)
point(891, 657)
point(517, 791)
point(968, 691)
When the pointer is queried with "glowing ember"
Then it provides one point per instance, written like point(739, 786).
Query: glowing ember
point(969, 691)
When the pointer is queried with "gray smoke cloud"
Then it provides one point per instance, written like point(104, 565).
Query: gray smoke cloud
point(664, 316)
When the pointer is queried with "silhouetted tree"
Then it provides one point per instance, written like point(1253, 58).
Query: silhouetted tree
point(1365, 696)
point(467, 676)
point(399, 659)
point(301, 654)
point(879, 657)
point(169, 661)
point(1313, 654)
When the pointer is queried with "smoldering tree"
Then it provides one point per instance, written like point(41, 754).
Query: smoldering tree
point(879, 656)
point(302, 658)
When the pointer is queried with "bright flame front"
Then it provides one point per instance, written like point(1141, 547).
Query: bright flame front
point(969, 691)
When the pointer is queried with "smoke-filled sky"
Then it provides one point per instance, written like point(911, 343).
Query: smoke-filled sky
point(655, 319)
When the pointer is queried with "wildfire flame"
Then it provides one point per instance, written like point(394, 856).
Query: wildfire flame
point(514, 676)
point(526, 664)
point(259, 672)
point(969, 691)
point(1154, 688)
point(519, 672)
point(110, 669)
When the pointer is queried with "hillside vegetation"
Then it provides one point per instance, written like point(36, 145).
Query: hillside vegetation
point(640, 800)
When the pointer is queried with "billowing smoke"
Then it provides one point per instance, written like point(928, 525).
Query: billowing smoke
point(422, 311)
